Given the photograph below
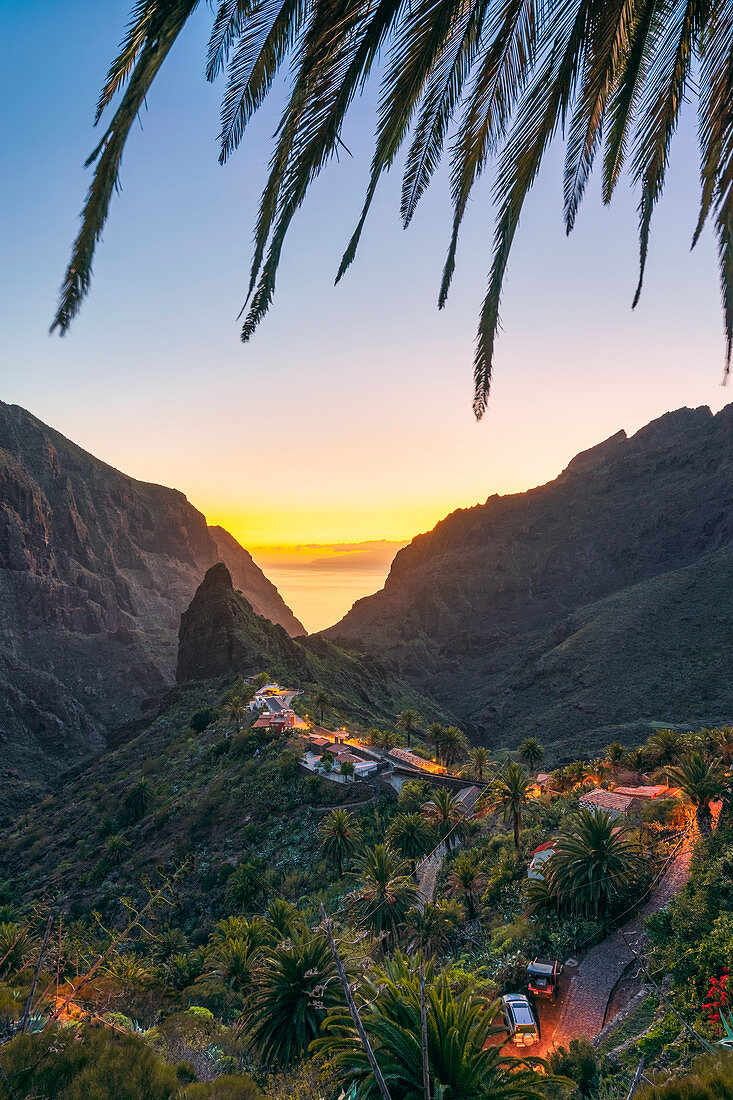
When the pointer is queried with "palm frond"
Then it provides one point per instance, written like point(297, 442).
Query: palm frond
point(108, 155)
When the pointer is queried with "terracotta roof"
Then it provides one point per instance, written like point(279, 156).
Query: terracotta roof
point(644, 792)
point(543, 847)
point(607, 800)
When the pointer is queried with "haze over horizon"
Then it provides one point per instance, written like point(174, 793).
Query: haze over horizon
point(340, 422)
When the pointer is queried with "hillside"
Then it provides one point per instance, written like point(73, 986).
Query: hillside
point(95, 570)
point(210, 797)
point(603, 599)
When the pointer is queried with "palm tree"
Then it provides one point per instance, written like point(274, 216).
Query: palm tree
point(460, 1063)
point(236, 711)
point(594, 865)
point(703, 781)
point(321, 700)
point(466, 881)
point(139, 800)
point(480, 759)
point(234, 951)
point(296, 986)
point(385, 893)
point(724, 741)
point(407, 722)
point(340, 836)
point(509, 794)
point(434, 734)
point(430, 929)
point(284, 919)
point(445, 811)
point(666, 747)
point(615, 755)
point(577, 772)
point(613, 74)
point(412, 836)
point(637, 761)
point(561, 781)
point(453, 745)
point(531, 753)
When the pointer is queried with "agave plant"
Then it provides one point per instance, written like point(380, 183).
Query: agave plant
point(503, 77)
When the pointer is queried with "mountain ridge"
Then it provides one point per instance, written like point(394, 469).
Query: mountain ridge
point(463, 602)
point(95, 570)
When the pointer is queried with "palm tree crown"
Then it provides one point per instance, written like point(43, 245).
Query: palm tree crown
point(594, 864)
point(340, 835)
point(408, 721)
point(702, 781)
point(531, 752)
point(509, 794)
point(445, 810)
point(385, 893)
point(411, 835)
point(503, 78)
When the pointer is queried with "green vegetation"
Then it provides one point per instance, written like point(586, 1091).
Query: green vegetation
point(200, 864)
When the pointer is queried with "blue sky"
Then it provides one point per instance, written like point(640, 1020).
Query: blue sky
point(348, 416)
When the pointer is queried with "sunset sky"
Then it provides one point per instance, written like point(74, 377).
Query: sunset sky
point(347, 419)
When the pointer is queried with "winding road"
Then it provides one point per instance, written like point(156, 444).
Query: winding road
point(583, 1002)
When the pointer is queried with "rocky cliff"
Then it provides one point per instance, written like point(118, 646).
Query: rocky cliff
point(95, 570)
point(221, 636)
point(603, 599)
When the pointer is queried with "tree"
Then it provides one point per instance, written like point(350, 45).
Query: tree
point(461, 1064)
point(347, 769)
point(612, 76)
point(236, 710)
point(284, 919)
point(234, 952)
point(385, 739)
point(445, 811)
point(412, 836)
point(201, 719)
point(703, 782)
point(321, 700)
point(724, 742)
point(407, 722)
point(509, 794)
point(430, 929)
point(594, 865)
point(531, 753)
point(340, 836)
point(138, 800)
point(295, 987)
point(385, 893)
point(466, 881)
point(578, 772)
point(453, 745)
point(434, 734)
point(615, 755)
point(480, 760)
point(637, 761)
point(260, 680)
point(666, 747)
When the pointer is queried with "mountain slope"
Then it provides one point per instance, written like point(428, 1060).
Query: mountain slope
point(250, 580)
point(222, 636)
point(95, 570)
point(540, 609)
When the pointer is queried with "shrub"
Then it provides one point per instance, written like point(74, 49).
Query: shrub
point(201, 719)
point(579, 1062)
point(81, 1062)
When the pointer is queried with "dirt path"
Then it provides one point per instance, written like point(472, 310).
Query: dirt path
point(583, 1002)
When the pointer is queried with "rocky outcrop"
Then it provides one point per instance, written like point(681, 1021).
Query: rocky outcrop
point(221, 636)
point(602, 599)
point(249, 579)
point(221, 633)
point(95, 570)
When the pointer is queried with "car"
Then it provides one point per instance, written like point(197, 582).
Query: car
point(520, 1020)
point(543, 978)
